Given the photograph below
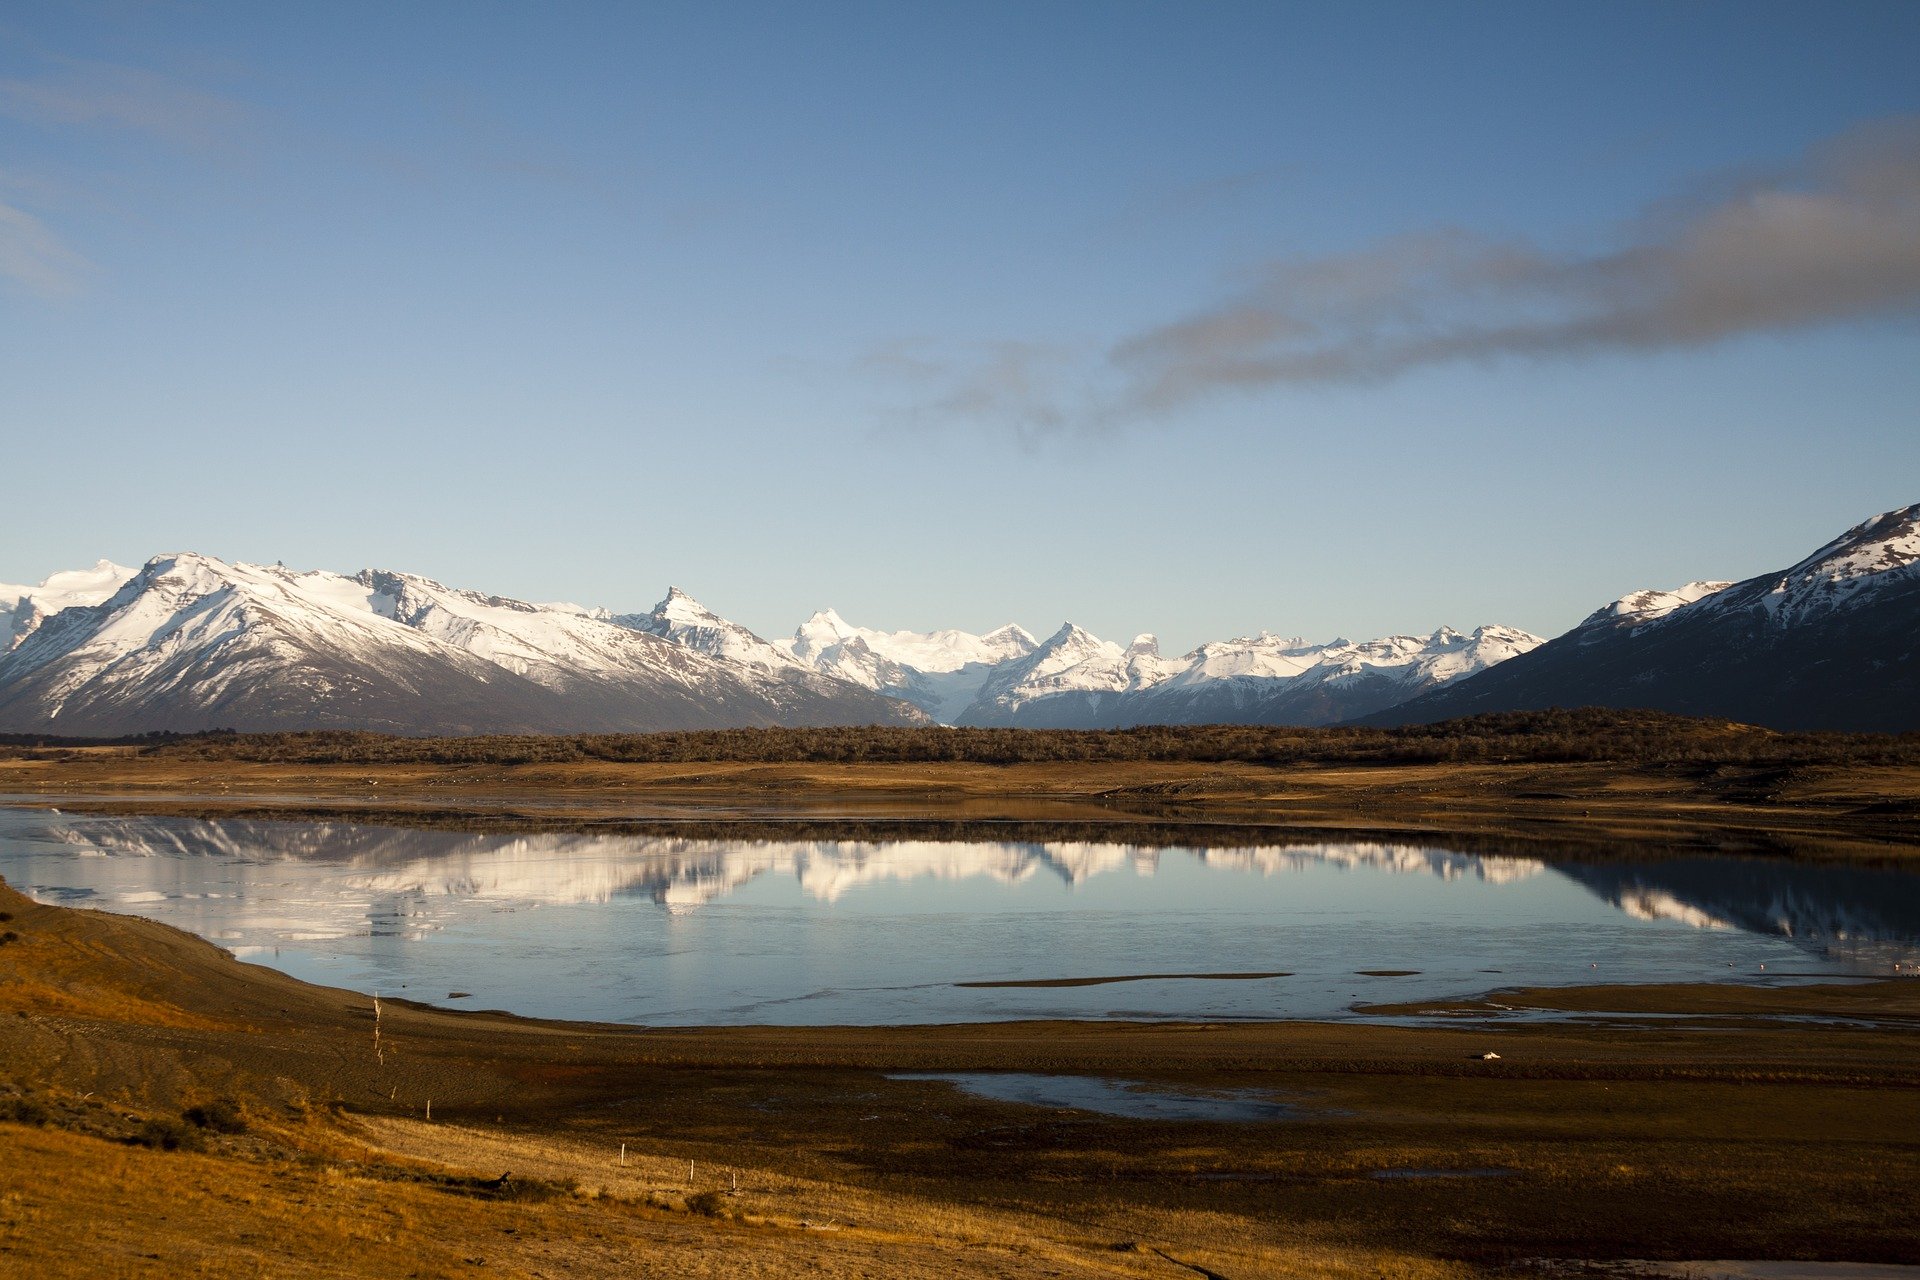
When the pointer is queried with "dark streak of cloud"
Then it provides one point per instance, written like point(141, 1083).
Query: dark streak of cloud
point(1833, 238)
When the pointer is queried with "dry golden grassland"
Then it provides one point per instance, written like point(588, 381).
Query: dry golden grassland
point(1721, 1132)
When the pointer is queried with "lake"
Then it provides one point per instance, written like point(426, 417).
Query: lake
point(687, 929)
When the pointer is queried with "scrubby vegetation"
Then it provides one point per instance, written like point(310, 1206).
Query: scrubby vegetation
point(24, 1110)
point(163, 1133)
point(1587, 734)
point(222, 1115)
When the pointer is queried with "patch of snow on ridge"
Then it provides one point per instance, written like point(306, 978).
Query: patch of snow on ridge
point(1638, 608)
point(24, 608)
point(1882, 550)
point(551, 646)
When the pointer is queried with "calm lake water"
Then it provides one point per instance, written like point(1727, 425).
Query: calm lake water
point(693, 930)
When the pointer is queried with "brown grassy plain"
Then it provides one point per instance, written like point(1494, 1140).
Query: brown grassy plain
point(1846, 810)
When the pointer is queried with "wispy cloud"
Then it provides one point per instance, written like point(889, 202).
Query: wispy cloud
point(1020, 386)
point(77, 92)
point(1834, 237)
point(33, 257)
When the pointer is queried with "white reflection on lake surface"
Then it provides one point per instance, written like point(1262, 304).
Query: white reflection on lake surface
point(698, 930)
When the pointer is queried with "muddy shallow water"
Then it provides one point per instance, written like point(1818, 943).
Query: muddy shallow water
point(697, 930)
point(1132, 1099)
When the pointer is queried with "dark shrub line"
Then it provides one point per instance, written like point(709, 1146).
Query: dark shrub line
point(1585, 734)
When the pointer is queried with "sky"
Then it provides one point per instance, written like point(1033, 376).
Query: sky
point(1201, 319)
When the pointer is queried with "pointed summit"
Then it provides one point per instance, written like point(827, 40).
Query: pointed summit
point(688, 623)
point(679, 607)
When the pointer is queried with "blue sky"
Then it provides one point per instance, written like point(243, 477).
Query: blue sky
point(1192, 318)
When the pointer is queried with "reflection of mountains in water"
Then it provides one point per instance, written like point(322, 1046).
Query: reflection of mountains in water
point(687, 872)
point(1825, 908)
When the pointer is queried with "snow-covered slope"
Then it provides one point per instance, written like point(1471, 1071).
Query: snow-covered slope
point(1266, 680)
point(690, 624)
point(941, 672)
point(191, 642)
point(923, 651)
point(1832, 642)
point(1075, 680)
point(1638, 608)
point(23, 609)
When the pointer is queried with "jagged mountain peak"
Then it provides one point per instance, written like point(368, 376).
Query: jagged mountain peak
point(683, 620)
point(1010, 635)
point(680, 606)
point(1072, 635)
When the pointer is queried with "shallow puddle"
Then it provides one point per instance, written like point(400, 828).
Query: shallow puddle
point(1132, 1099)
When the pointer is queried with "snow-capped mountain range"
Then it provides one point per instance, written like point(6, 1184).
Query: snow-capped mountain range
point(190, 642)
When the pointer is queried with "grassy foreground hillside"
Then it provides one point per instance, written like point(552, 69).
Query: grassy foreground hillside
point(166, 1110)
